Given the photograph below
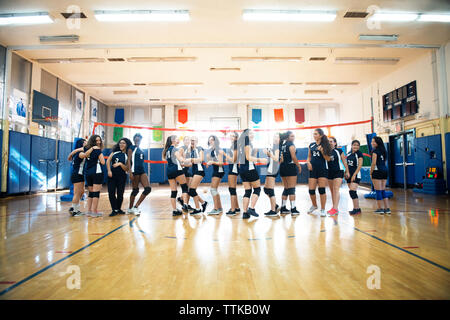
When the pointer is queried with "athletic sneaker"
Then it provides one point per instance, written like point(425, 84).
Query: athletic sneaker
point(136, 211)
point(130, 211)
point(355, 211)
point(77, 213)
point(195, 212)
point(70, 209)
point(252, 212)
point(121, 211)
point(284, 210)
point(190, 208)
point(114, 213)
point(220, 210)
point(231, 213)
point(271, 213)
point(96, 214)
point(332, 212)
point(277, 208)
point(238, 210)
point(185, 208)
point(204, 205)
point(294, 211)
point(214, 212)
point(246, 215)
point(176, 213)
point(312, 209)
point(387, 211)
point(323, 213)
point(180, 201)
point(379, 211)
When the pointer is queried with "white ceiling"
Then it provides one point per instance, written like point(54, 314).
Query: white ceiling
point(219, 22)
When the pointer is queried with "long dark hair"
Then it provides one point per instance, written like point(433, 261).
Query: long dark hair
point(284, 136)
point(380, 146)
point(117, 147)
point(79, 143)
point(92, 141)
point(168, 145)
point(326, 147)
point(235, 142)
point(216, 141)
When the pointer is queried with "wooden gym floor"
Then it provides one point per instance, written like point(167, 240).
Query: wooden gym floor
point(157, 256)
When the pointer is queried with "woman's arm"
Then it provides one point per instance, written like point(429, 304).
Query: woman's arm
point(308, 160)
point(344, 161)
point(101, 158)
point(70, 157)
point(360, 164)
point(326, 157)
point(178, 156)
point(294, 157)
point(108, 166)
point(199, 159)
point(274, 156)
point(374, 161)
point(220, 157)
point(251, 158)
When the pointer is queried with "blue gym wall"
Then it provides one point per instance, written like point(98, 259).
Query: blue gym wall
point(422, 157)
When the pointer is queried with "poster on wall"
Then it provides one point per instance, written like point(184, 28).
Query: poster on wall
point(18, 103)
point(64, 119)
point(78, 114)
point(94, 114)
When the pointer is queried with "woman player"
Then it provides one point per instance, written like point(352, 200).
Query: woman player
point(336, 167)
point(186, 164)
point(355, 162)
point(117, 165)
point(273, 167)
point(77, 177)
point(175, 173)
point(318, 154)
point(289, 169)
point(215, 158)
point(379, 175)
point(196, 156)
point(137, 175)
point(248, 173)
point(233, 173)
point(94, 174)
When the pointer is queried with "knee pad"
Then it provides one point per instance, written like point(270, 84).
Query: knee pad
point(285, 192)
point(379, 194)
point(192, 192)
point(248, 193)
point(96, 194)
point(173, 194)
point(353, 194)
point(135, 192)
point(147, 190)
point(184, 188)
point(214, 192)
point(291, 191)
point(269, 192)
point(312, 192)
point(322, 191)
point(90, 194)
point(257, 191)
point(383, 194)
point(232, 191)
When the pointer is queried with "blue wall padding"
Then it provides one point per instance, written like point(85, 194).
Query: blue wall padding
point(19, 163)
point(157, 170)
point(64, 166)
point(422, 155)
point(447, 156)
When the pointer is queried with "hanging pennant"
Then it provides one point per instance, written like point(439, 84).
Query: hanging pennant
point(157, 134)
point(182, 115)
point(117, 134)
point(119, 116)
point(299, 115)
point(278, 114)
point(256, 115)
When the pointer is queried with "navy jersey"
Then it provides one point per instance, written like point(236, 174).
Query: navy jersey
point(335, 164)
point(78, 164)
point(246, 165)
point(214, 157)
point(173, 165)
point(317, 159)
point(195, 153)
point(93, 165)
point(137, 160)
point(233, 166)
point(287, 158)
point(117, 157)
point(381, 161)
point(353, 160)
point(273, 166)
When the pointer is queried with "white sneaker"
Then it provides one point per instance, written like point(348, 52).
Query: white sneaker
point(77, 213)
point(95, 214)
point(323, 213)
point(129, 211)
point(136, 211)
point(312, 209)
point(214, 212)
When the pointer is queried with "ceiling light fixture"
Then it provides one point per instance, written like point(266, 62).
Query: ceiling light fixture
point(25, 18)
point(394, 16)
point(381, 37)
point(141, 15)
point(288, 15)
point(429, 17)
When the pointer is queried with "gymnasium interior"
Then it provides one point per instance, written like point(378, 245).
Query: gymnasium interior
point(70, 69)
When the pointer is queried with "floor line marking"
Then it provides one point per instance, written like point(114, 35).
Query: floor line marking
point(409, 252)
point(60, 260)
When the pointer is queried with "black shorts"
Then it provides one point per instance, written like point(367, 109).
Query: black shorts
point(317, 173)
point(249, 176)
point(335, 174)
point(198, 173)
point(218, 174)
point(96, 178)
point(288, 170)
point(186, 171)
point(357, 180)
point(75, 178)
point(230, 170)
point(138, 172)
point(174, 174)
point(380, 175)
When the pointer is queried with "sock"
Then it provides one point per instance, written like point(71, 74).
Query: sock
point(292, 204)
point(283, 203)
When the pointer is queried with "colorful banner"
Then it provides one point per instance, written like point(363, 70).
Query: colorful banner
point(117, 134)
point(157, 134)
point(256, 115)
point(299, 116)
point(119, 115)
point(18, 106)
point(182, 115)
point(278, 114)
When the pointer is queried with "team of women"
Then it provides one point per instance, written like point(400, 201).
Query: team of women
point(186, 165)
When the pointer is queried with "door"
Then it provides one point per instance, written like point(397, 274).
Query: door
point(410, 158)
point(399, 175)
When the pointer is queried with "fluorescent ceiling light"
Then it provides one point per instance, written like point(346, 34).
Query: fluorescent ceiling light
point(295, 59)
point(24, 18)
point(288, 15)
point(434, 17)
point(125, 92)
point(142, 15)
point(256, 83)
point(394, 17)
point(63, 38)
point(224, 69)
point(381, 37)
point(358, 60)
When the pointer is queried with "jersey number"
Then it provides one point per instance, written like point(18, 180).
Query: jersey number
point(316, 154)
